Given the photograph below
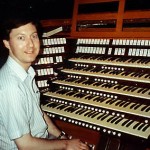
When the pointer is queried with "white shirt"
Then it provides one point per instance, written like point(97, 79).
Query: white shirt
point(20, 111)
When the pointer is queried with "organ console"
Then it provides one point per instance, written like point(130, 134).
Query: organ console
point(107, 93)
point(98, 89)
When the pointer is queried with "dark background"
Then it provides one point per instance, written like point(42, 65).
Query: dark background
point(45, 9)
point(59, 9)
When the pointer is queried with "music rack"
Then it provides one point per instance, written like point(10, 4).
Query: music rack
point(118, 22)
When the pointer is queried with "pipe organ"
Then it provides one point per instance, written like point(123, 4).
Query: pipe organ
point(104, 87)
point(98, 88)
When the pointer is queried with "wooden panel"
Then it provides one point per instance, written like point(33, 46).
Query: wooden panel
point(142, 35)
point(94, 1)
point(119, 18)
point(97, 16)
point(136, 14)
point(119, 24)
point(55, 22)
point(86, 135)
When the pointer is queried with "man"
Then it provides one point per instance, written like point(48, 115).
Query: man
point(23, 125)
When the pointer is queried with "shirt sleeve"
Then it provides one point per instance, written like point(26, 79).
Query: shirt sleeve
point(14, 110)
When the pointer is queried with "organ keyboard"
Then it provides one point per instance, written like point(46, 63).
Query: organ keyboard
point(106, 103)
point(130, 62)
point(95, 120)
point(109, 87)
point(104, 87)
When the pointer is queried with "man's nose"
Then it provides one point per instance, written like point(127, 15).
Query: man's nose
point(30, 41)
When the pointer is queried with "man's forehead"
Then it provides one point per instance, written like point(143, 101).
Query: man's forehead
point(24, 29)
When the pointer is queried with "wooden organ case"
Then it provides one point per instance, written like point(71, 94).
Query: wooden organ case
point(94, 76)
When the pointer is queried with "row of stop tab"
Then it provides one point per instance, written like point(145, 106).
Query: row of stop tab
point(53, 41)
point(115, 51)
point(49, 60)
point(114, 41)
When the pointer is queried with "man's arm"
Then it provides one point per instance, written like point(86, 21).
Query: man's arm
point(52, 129)
point(27, 142)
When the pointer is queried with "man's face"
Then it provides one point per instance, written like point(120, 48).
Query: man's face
point(24, 44)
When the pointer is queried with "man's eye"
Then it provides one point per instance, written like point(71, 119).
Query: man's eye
point(35, 36)
point(21, 38)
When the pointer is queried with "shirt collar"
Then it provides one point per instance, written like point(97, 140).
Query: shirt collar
point(19, 70)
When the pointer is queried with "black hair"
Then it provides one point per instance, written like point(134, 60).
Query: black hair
point(16, 20)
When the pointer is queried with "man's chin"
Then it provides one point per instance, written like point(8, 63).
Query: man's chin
point(31, 60)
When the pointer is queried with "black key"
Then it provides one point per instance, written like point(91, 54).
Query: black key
point(144, 108)
point(125, 122)
point(53, 105)
point(119, 102)
point(110, 118)
point(87, 113)
point(61, 107)
point(141, 126)
point(80, 111)
point(62, 91)
point(147, 76)
point(71, 93)
point(113, 120)
point(117, 121)
point(133, 89)
point(94, 114)
point(136, 125)
point(126, 104)
point(145, 90)
point(146, 127)
point(140, 90)
point(126, 88)
point(101, 99)
point(112, 101)
point(130, 88)
point(97, 83)
point(141, 74)
point(108, 101)
point(137, 106)
point(89, 97)
point(79, 95)
point(129, 123)
point(101, 116)
point(97, 99)
point(119, 87)
point(104, 117)
point(148, 109)
point(71, 109)
point(133, 105)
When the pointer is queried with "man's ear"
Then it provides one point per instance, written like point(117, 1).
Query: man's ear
point(6, 43)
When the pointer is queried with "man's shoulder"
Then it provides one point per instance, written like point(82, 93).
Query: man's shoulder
point(8, 78)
